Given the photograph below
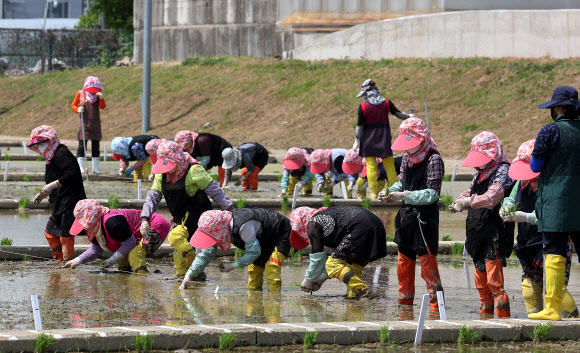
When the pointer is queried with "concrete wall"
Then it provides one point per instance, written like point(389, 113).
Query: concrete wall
point(498, 33)
point(461, 5)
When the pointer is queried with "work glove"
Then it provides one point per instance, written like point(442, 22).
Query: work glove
point(383, 194)
point(100, 95)
point(356, 144)
point(503, 211)
point(226, 267)
point(239, 182)
point(299, 186)
point(46, 190)
point(460, 204)
point(350, 186)
point(225, 185)
point(186, 280)
point(128, 172)
point(121, 171)
point(329, 187)
point(145, 228)
point(151, 177)
point(283, 193)
point(395, 196)
point(81, 109)
point(411, 115)
point(519, 216)
point(320, 187)
point(308, 286)
point(72, 263)
point(113, 259)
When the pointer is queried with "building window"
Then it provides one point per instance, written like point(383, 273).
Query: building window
point(58, 11)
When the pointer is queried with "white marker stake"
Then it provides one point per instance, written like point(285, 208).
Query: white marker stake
point(422, 315)
point(25, 149)
point(36, 312)
point(6, 170)
point(377, 275)
point(294, 198)
point(441, 303)
point(105, 154)
point(344, 194)
point(139, 189)
point(454, 172)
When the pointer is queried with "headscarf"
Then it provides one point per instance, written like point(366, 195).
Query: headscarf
point(41, 134)
point(89, 214)
point(171, 151)
point(415, 127)
point(487, 143)
point(92, 81)
point(299, 219)
point(186, 140)
point(120, 145)
point(151, 146)
point(525, 155)
point(371, 93)
point(322, 157)
point(217, 225)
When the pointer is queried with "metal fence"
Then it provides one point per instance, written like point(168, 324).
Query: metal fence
point(25, 51)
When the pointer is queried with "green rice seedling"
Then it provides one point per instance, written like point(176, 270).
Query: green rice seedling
point(239, 252)
point(227, 341)
point(6, 242)
point(447, 177)
point(390, 237)
point(468, 335)
point(7, 158)
point(113, 202)
point(279, 176)
point(512, 209)
point(293, 254)
point(385, 336)
point(143, 343)
point(39, 158)
point(215, 177)
point(43, 341)
point(241, 203)
point(23, 202)
point(540, 332)
point(447, 238)
point(446, 199)
point(25, 178)
point(296, 284)
point(366, 203)
point(327, 201)
point(285, 203)
point(25, 258)
point(457, 249)
point(309, 339)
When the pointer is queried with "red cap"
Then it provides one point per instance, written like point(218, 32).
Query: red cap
point(92, 90)
point(117, 157)
point(475, 159)
point(292, 164)
point(296, 241)
point(162, 166)
point(76, 228)
point(153, 158)
point(405, 142)
point(521, 170)
point(36, 140)
point(201, 240)
point(318, 168)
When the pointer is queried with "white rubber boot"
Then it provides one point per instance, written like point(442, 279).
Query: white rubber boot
point(95, 161)
point(82, 164)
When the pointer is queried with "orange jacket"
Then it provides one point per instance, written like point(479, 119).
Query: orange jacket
point(77, 100)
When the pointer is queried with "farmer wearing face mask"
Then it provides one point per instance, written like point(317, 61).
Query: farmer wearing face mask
point(186, 187)
point(489, 240)
point(64, 186)
point(529, 247)
point(297, 172)
point(206, 148)
point(556, 156)
point(327, 166)
point(252, 157)
point(373, 133)
point(117, 231)
point(89, 101)
point(356, 236)
point(263, 234)
point(417, 223)
point(126, 149)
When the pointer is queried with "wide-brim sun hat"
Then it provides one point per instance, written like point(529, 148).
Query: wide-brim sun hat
point(92, 90)
point(229, 158)
point(405, 142)
point(297, 242)
point(562, 96)
point(36, 140)
point(162, 166)
point(318, 168)
point(521, 170)
point(475, 159)
point(351, 168)
point(202, 240)
point(117, 157)
point(292, 164)
point(76, 228)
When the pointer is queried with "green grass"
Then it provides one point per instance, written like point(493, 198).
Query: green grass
point(39, 158)
point(327, 201)
point(43, 341)
point(390, 237)
point(470, 127)
point(143, 343)
point(23, 202)
point(241, 203)
point(25, 178)
point(468, 335)
point(309, 339)
point(7, 158)
point(227, 341)
point(385, 336)
point(207, 61)
point(447, 177)
point(25, 258)
point(446, 199)
point(447, 238)
point(285, 203)
point(113, 202)
point(6, 241)
point(366, 203)
point(541, 332)
point(457, 249)
point(279, 176)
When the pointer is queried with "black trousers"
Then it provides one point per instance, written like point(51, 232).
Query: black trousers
point(556, 243)
point(94, 149)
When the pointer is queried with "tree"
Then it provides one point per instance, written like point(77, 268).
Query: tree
point(118, 15)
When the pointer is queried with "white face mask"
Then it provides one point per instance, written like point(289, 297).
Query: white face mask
point(413, 150)
point(42, 147)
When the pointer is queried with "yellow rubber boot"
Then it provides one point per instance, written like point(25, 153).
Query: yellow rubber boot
point(184, 252)
point(256, 277)
point(346, 273)
point(372, 176)
point(555, 272)
point(291, 185)
point(360, 192)
point(389, 164)
point(273, 271)
point(532, 293)
point(307, 190)
point(326, 183)
point(146, 169)
point(136, 259)
point(569, 308)
point(137, 174)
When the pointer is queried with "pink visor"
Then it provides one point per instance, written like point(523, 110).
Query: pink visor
point(117, 157)
point(162, 166)
point(318, 168)
point(475, 159)
point(36, 140)
point(153, 158)
point(296, 241)
point(202, 240)
point(405, 142)
point(292, 164)
point(521, 170)
point(364, 172)
point(92, 90)
point(76, 228)
point(351, 168)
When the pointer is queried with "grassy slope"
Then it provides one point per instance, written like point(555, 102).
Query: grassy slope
point(293, 103)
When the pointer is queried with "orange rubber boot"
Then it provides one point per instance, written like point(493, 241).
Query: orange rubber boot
point(55, 246)
point(406, 275)
point(221, 175)
point(495, 282)
point(251, 182)
point(485, 296)
point(430, 273)
point(68, 248)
